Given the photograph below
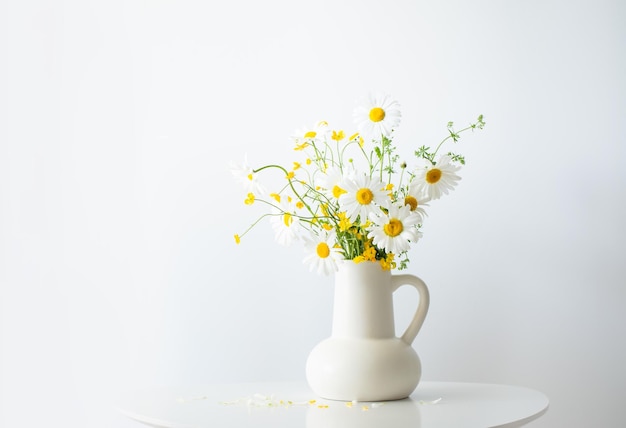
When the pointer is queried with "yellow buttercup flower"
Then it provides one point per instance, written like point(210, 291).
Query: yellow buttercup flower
point(369, 253)
point(358, 139)
point(338, 191)
point(338, 135)
point(386, 265)
point(275, 196)
point(344, 222)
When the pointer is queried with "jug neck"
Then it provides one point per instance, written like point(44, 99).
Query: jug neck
point(363, 302)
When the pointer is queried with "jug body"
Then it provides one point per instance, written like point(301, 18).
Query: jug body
point(363, 360)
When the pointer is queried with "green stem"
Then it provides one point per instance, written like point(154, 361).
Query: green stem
point(451, 135)
point(295, 192)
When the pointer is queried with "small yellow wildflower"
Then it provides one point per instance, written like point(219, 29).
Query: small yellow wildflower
point(296, 165)
point(250, 199)
point(338, 135)
point(369, 253)
point(308, 161)
point(357, 138)
point(300, 204)
point(357, 260)
point(237, 239)
point(338, 191)
point(276, 196)
point(327, 226)
point(344, 222)
point(388, 263)
point(290, 175)
point(301, 146)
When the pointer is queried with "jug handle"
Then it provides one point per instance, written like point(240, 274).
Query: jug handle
point(422, 309)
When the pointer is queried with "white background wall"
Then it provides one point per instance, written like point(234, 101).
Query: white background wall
point(117, 210)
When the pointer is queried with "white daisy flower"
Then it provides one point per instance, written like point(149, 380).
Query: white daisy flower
point(363, 196)
point(377, 115)
point(437, 180)
point(416, 200)
point(322, 254)
point(330, 181)
point(285, 224)
point(396, 229)
point(312, 134)
point(246, 176)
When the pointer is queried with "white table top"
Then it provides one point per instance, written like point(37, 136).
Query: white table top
point(289, 404)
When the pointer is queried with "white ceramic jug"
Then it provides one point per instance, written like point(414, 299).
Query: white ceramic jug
point(363, 360)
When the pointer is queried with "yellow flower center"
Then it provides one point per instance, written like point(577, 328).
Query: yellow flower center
point(310, 134)
point(338, 191)
point(411, 201)
point(393, 228)
point(322, 250)
point(364, 196)
point(377, 114)
point(433, 176)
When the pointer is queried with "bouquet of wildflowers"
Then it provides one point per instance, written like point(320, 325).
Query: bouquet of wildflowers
point(353, 198)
